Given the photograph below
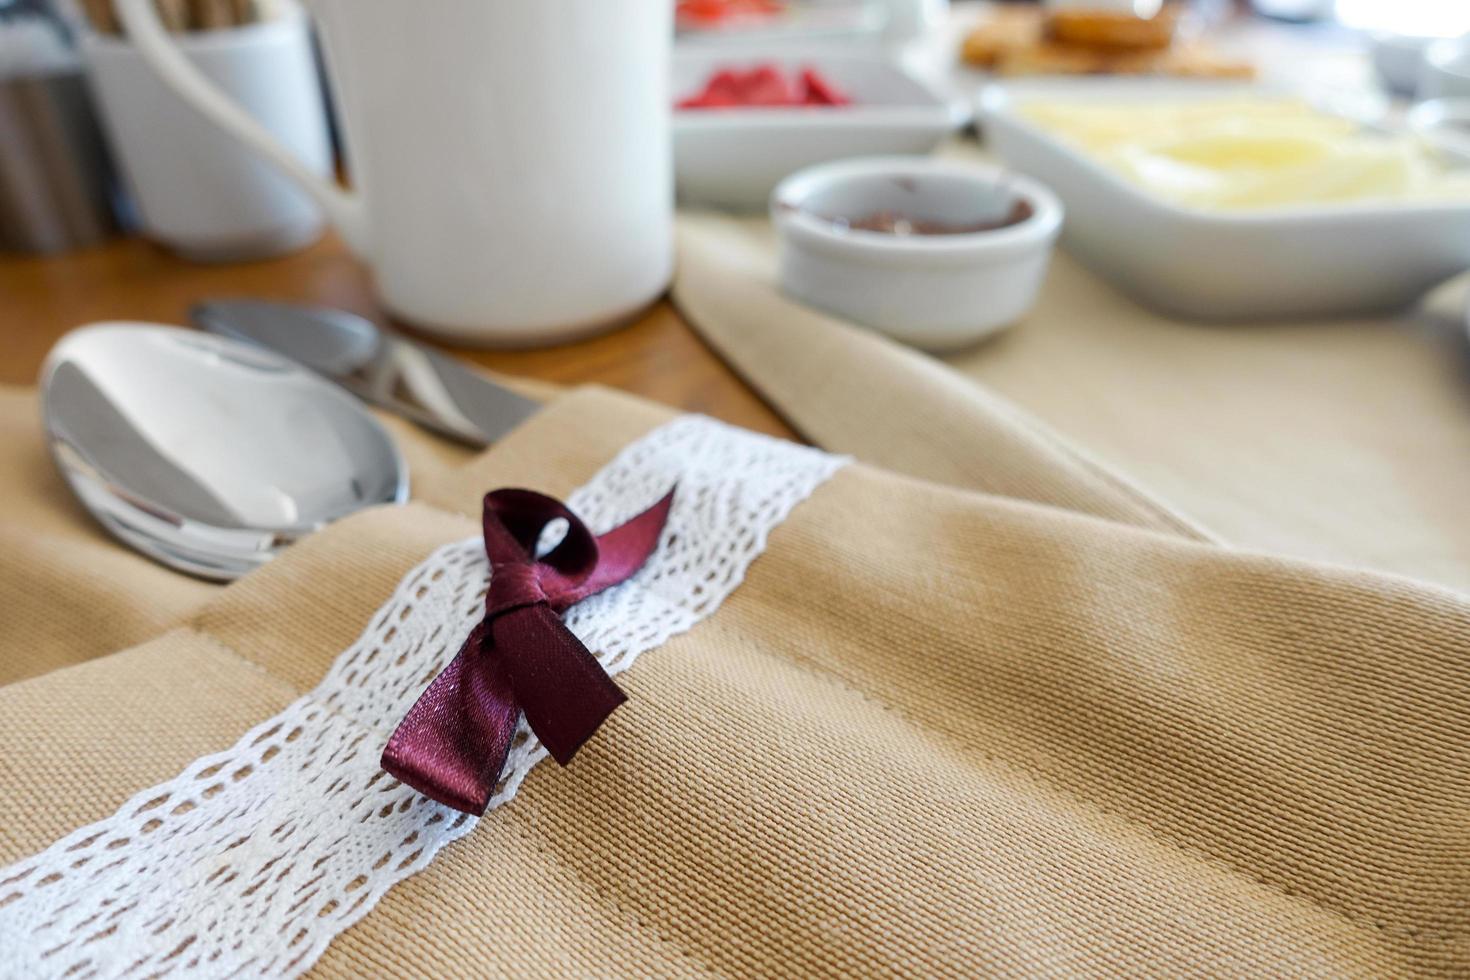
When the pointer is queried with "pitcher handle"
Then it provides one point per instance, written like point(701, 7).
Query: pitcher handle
point(344, 209)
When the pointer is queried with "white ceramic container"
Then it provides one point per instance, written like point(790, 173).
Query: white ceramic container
point(510, 161)
point(1444, 70)
point(195, 191)
point(1317, 260)
point(1398, 60)
point(733, 158)
point(938, 292)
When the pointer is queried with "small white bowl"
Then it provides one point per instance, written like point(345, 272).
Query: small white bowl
point(1444, 71)
point(938, 292)
point(733, 158)
point(1398, 60)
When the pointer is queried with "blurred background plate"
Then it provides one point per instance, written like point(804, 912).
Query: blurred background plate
point(1314, 259)
point(734, 157)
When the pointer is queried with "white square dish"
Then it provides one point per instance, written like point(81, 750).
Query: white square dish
point(1308, 260)
point(733, 158)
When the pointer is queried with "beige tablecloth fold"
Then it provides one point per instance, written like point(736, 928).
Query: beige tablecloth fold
point(935, 732)
point(1341, 441)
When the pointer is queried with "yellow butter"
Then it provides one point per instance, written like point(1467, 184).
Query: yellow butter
point(1249, 153)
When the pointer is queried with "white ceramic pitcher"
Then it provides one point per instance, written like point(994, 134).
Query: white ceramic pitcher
point(510, 159)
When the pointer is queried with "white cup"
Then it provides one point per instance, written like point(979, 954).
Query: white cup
point(510, 159)
point(194, 190)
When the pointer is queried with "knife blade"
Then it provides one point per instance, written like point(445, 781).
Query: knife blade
point(377, 365)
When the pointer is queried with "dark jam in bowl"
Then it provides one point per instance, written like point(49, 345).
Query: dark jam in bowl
point(897, 223)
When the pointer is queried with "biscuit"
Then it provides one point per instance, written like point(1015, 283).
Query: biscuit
point(1014, 41)
point(1111, 30)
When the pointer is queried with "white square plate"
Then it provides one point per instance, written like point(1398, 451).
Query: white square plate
point(733, 158)
point(1314, 260)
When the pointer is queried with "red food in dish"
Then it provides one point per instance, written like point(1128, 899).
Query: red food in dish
point(819, 91)
point(765, 86)
point(707, 12)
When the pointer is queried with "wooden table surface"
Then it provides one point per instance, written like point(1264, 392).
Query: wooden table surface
point(657, 356)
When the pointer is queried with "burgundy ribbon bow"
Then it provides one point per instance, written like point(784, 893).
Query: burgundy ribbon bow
point(452, 744)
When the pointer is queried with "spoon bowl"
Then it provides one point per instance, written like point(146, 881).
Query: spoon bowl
point(204, 453)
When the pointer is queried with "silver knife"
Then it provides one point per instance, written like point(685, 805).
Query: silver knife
point(376, 365)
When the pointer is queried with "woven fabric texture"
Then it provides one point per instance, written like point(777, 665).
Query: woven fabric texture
point(938, 730)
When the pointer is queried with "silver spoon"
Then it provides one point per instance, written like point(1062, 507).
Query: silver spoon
point(204, 453)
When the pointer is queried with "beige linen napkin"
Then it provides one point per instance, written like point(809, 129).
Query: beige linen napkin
point(1344, 441)
point(935, 732)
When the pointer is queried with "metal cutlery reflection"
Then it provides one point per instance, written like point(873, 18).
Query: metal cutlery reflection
point(378, 366)
point(204, 453)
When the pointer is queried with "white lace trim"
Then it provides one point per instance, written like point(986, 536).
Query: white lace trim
point(252, 860)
